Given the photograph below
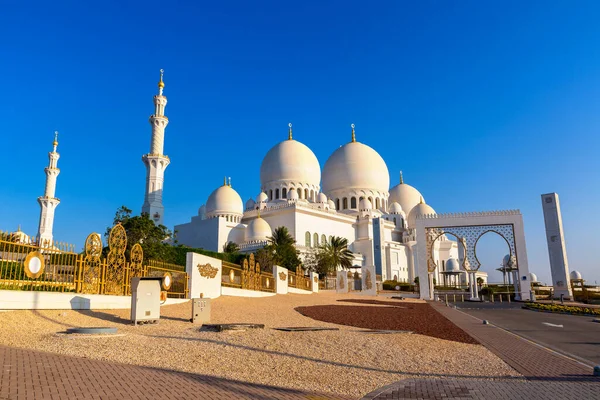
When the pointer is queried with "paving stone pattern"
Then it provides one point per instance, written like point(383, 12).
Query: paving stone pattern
point(28, 374)
point(547, 375)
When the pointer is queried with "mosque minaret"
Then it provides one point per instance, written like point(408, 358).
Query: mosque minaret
point(156, 162)
point(48, 202)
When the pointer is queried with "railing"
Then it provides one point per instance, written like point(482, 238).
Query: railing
point(267, 282)
point(25, 264)
point(179, 278)
point(231, 275)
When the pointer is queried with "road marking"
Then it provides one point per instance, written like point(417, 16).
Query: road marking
point(553, 325)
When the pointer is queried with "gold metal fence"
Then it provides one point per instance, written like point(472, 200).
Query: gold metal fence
point(25, 264)
point(231, 275)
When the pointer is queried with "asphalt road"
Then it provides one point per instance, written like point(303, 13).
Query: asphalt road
point(579, 336)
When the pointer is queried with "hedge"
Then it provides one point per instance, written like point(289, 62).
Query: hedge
point(559, 308)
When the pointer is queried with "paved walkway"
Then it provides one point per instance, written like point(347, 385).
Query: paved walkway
point(547, 374)
point(28, 374)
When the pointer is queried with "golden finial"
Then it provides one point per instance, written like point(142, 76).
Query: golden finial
point(229, 181)
point(290, 132)
point(258, 211)
point(401, 180)
point(55, 143)
point(422, 202)
point(224, 181)
point(353, 134)
point(19, 228)
point(161, 84)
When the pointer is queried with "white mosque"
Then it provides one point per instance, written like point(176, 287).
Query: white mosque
point(350, 197)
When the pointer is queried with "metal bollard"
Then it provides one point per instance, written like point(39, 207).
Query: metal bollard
point(508, 295)
point(462, 298)
point(446, 299)
point(454, 297)
point(500, 295)
point(492, 297)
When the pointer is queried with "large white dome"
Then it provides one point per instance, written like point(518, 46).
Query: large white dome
point(405, 195)
point(452, 265)
point(290, 161)
point(258, 230)
point(355, 166)
point(224, 201)
point(575, 275)
point(419, 209)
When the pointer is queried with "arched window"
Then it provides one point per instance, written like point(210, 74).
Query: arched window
point(284, 193)
point(345, 203)
point(353, 203)
point(306, 194)
point(330, 237)
point(337, 204)
point(361, 198)
point(316, 239)
point(394, 220)
point(323, 239)
point(377, 203)
point(307, 239)
point(276, 193)
point(271, 194)
point(299, 193)
point(312, 195)
point(371, 200)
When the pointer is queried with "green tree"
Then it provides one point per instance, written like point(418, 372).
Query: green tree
point(334, 254)
point(141, 229)
point(282, 248)
point(265, 259)
point(230, 248)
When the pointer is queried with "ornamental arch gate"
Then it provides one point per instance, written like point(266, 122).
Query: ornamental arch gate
point(469, 228)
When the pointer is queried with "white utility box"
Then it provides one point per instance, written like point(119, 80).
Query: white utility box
point(200, 311)
point(145, 299)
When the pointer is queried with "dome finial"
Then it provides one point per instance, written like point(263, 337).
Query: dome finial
point(229, 181)
point(258, 211)
point(161, 84)
point(224, 181)
point(401, 180)
point(421, 202)
point(290, 132)
point(55, 142)
point(353, 134)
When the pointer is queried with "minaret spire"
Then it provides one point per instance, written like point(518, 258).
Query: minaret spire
point(48, 202)
point(156, 162)
point(290, 132)
point(353, 133)
point(401, 180)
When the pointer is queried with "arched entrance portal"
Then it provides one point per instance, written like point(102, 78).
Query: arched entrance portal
point(469, 228)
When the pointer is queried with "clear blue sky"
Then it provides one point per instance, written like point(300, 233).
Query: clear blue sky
point(483, 105)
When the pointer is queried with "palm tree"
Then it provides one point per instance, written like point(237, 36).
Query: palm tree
point(282, 248)
point(335, 254)
point(230, 247)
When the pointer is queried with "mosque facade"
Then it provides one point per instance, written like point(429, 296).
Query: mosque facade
point(349, 197)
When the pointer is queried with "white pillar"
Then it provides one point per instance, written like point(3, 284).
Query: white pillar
point(280, 275)
point(204, 276)
point(314, 279)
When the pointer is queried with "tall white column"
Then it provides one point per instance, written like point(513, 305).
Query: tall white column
point(156, 162)
point(48, 202)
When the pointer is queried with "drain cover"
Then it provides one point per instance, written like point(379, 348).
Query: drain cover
point(93, 331)
point(231, 327)
point(305, 329)
point(385, 332)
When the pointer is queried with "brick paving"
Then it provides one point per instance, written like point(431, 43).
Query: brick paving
point(28, 374)
point(547, 375)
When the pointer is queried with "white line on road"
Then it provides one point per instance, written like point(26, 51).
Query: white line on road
point(553, 325)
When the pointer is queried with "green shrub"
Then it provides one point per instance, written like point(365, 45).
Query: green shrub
point(559, 308)
point(487, 291)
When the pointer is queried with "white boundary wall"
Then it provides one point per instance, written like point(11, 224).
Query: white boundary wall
point(509, 217)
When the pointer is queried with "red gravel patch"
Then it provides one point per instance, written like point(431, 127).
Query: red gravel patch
point(417, 317)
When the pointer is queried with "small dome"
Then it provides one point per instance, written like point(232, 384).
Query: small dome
point(262, 197)
point(407, 196)
point(506, 261)
point(575, 275)
point(250, 204)
point(290, 161)
point(322, 198)
point(355, 166)
point(258, 230)
point(452, 265)
point(419, 209)
point(202, 211)
point(365, 204)
point(224, 200)
point(292, 195)
point(395, 208)
point(533, 277)
point(331, 204)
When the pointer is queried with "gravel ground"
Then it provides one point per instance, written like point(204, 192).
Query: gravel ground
point(415, 317)
point(348, 362)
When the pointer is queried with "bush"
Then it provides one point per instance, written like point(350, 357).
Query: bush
point(487, 291)
point(559, 308)
point(391, 285)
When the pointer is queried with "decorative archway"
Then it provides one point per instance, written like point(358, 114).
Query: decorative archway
point(469, 228)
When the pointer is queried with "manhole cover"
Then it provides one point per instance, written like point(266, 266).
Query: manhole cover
point(93, 331)
point(385, 332)
point(305, 329)
point(231, 327)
